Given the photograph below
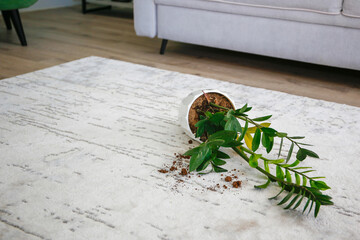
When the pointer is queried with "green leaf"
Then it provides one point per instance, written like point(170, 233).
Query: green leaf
point(311, 206)
point(285, 199)
point(282, 189)
point(192, 151)
point(265, 140)
point(317, 208)
point(260, 119)
point(242, 110)
point(281, 134)
point(217, 118)
point(219, 169)
point(297, 177)
point(200, 127)
point(218, 161)
point(309, 153)
point(253, 160)
point(268, 149)
point(307, 204)
point(256, 140)
point(281, 144)
point(203, 154)
point(290, 152)
point(263, 185)
point(288, 176)
point(227, 136)
point(293, 200)
point(301, 155)
point(203, 165)
point(269, 131)
point(233, 125)
point(208, 114)
point(222, 155)
point(309, 171)
point(320, 185)
point(279, 173)
point(304, 181)
point(244, 131)
point(299, 202)
point(215, 143)
point(294, 163)
point(297, 137)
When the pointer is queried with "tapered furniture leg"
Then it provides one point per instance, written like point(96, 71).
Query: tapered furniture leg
point(85, 10)
point(15, 18)
point(6, 16)
point(163, 46)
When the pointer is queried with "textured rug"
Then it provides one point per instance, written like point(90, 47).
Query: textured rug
point(81, 145)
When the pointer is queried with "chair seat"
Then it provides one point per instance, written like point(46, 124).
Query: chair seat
point(15, 4)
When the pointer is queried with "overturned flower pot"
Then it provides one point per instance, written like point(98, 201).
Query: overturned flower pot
point(196, 103)
point(211, 118)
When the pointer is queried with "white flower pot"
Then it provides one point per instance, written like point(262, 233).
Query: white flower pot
point(185, 109)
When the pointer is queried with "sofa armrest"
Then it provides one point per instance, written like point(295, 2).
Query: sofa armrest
point(145, 18)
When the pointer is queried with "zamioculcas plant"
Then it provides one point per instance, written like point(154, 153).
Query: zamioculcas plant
point(219, 127)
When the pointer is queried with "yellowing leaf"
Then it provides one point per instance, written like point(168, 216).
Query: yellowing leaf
point(253, 129)
point(248, 140)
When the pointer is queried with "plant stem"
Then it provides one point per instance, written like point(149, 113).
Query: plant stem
point(288, 185)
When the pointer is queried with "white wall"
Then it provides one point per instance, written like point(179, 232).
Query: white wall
point(46, 4)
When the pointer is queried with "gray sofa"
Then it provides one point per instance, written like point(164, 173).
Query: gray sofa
point(325, 32)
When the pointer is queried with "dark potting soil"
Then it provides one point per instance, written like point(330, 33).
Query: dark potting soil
point(201, 105)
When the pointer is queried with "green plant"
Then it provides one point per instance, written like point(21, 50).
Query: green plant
point(221, 128)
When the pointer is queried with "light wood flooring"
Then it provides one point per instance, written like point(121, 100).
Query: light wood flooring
point(61, 35)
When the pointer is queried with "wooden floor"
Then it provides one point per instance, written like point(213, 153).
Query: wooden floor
point(61, 35)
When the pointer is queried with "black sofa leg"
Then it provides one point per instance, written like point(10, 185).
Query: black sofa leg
point(163, 46)
point(6, 16)
point(85, 10)
point(16, 20)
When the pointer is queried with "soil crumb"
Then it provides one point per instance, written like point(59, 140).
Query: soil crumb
point(163, 171)
point(228, 179)
point(183, 172)
point(190, 141)
point(237, 184)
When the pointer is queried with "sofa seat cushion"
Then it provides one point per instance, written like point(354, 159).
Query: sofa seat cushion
point(335, 19)
point(351, 8)
point(323, 6)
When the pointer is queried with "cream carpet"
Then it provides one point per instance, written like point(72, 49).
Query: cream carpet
point(81, 145)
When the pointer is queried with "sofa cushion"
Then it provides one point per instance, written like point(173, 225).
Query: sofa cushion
point(326, 6)
point(351, 8)
point(312, 17)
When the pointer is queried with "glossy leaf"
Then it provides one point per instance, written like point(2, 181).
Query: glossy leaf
point(299, 202)
point(219, 169)
point(233, 125)
point(256, 140)
point(297, 179)
point(288, 176)
point(290, 152)
point(301, 155)
point(281, 145)
point(197, 159)
point(263, 185)
point(244, 131)
point(317, 208)
point(260, 119)
point(218, 162)
point(293, 200)
point(287, 197)
point(248, 140)
point(222, 155)
point(269, 131)
point(310, 153)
